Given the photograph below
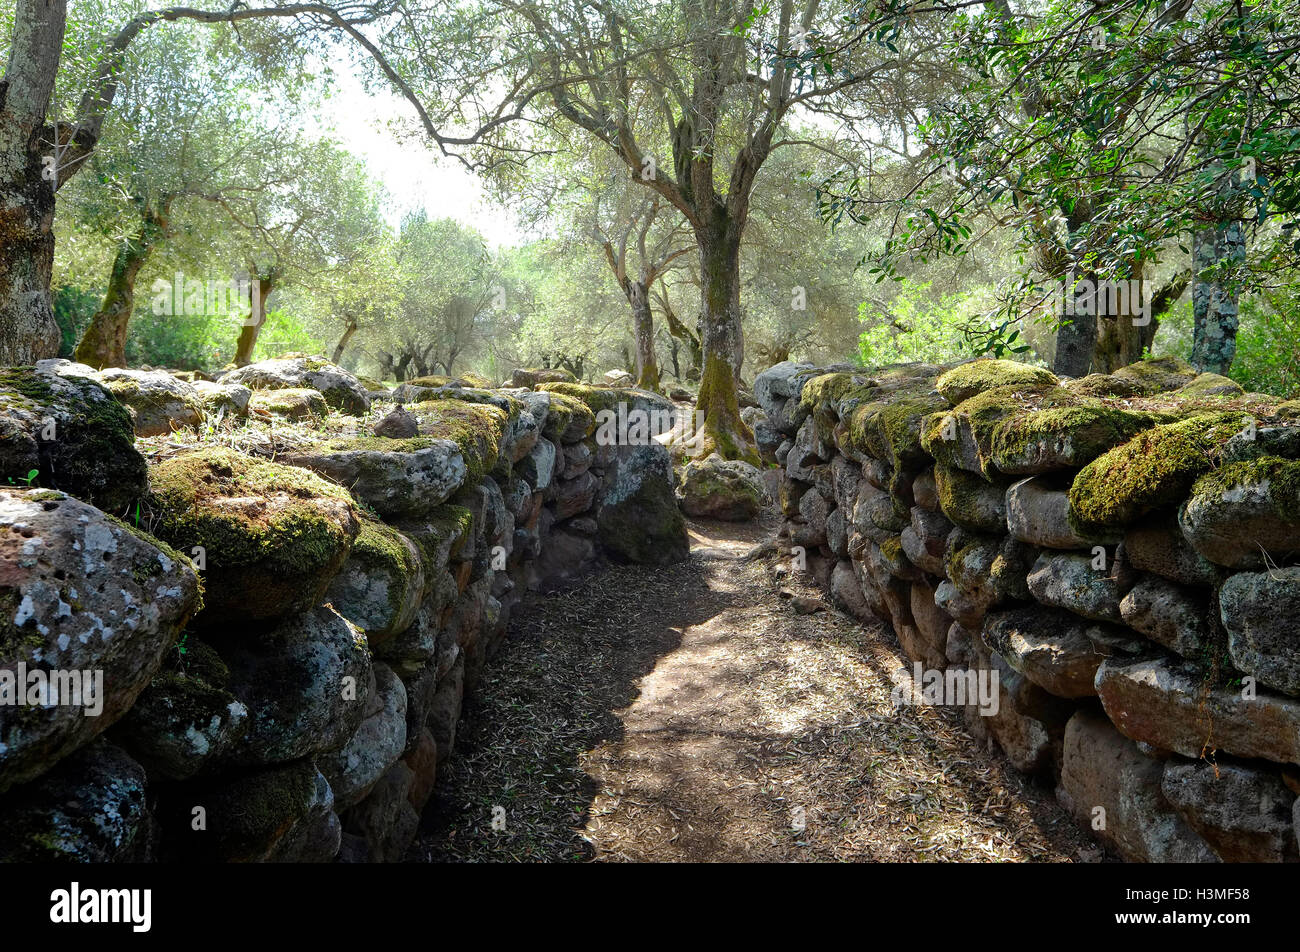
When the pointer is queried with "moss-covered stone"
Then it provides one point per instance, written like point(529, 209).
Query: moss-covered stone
point(1156, 468)
point(290, 403)
point(441, 535)
point(1211, 385)
point(971, 501)
point(73, 433)
point(1158, 374)
point(594, 398)
point(272, 536)
point(1064, 437)
point(968, 380)
point(380, 586)
point(477, 428)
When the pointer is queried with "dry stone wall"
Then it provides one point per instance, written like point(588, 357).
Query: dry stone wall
point(1119, 554)
point(258, 648)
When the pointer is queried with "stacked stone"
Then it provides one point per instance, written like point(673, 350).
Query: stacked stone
point(287, 647)
point(1114, 548)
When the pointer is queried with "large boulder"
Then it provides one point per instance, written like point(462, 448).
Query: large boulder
point(1156, 468)
point(1246, 514)
point(1259, 611)
point(305, 683)
point(382, 582)
point(341, 390)
point(1170, 705)
point(638, 519)
point(270, 537)
point(158, 402)
point(1113, 790)
point(186, 718)
point(90, 808)
point(88, 608)
point(721, 489)
point(971, 379)
point(398, 479)
point(69, 433)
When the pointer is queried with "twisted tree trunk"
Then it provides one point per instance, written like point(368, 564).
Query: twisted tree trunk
point(104, 342)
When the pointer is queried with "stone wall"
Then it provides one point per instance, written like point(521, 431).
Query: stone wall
point(1121, 551)
point(286, 617)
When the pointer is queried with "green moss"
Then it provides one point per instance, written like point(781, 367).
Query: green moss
point(1067, 435)
point(295, 537)
point(380, 547)
point(969, 380)
point(594, 398)
point(476, 428)
point(889, 428)
point(965, 499)
point(433, 380)
point(566, 412)
point(1211, 385)
point(1281, 475)
point(1155, 468)
point(28, 383)
point(442, 534)
point(1157, 374)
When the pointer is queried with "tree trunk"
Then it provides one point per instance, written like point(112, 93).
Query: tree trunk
point(1076, 341)
point(643, 329)
point(262, 288)
point(1214, 302)
point(104, 342)
point(28, 331)
point(1123, 310)
point(343, 341)
point(717, 407)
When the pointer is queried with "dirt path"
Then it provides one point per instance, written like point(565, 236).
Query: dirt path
point(689, 714)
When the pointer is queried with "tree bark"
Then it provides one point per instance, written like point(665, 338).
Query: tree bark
point(717, 406)
point(348, 332)
point(104, 342)
point(1214, 303)
point(262, 288)
point(28, 331)
point(1120, 322)
point(643, 330)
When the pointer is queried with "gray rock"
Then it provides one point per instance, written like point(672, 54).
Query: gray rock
point(1259, 611)
point(1036, 513)
point(1068, 580)
point(1243, 515)
point(1168, 614)
point(1158, 545)
point(639, 520)
point(378, 743)
point(341, 390)
point(1243, 812)
point(305, 684)
point(714, 488)
point(78, 593)
point(403, 482)
point(72, 434)
point(1166, 703)
point(90, 808)
point(1051, 648)
point(1114, 791)
point(398, 424)
point(158, 402)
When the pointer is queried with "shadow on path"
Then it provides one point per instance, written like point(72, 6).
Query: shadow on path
point(689, 714)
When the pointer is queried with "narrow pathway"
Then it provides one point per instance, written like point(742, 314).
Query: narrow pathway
point(690, 714)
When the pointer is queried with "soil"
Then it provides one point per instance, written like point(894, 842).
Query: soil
point(690, 713)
